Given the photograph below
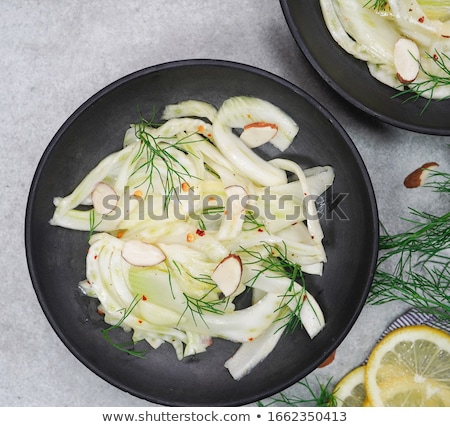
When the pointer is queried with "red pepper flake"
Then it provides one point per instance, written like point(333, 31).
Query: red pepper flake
point(250, 339)
point(260, 230)
point(422, 19)
point(144, 298)
point(445, 36)
point(100, 312)
point(140, 321)
point(435, 57)
point(95, 256)
point(200, 232)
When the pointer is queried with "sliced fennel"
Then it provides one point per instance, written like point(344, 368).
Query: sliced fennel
point(368, 30)
point(193, 191)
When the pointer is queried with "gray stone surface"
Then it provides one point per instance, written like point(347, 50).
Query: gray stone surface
point(55, 55)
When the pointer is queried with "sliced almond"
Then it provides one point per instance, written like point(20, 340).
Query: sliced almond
point(228, 273)
point(418, 177)
point(142, 254)
point(328, 360)
point(237, 199)
point(258, 133)
point(406, 60)
point(104, 198)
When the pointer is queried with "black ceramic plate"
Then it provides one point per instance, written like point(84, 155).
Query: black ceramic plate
point(351, 78)
point(56, 257)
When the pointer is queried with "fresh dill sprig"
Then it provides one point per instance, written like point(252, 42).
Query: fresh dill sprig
point(275, 263)
point(92, 224)
point(323, 398)
point(160, 162)
point(416, 90)
point(427, 86)
point(209, 213)
point(251, 221)
point(213, 210)
point(123, 346)
point(420, 275)
point(427, 238)
point(378, 5)
point(274, 260)
point(199, 306)
point(427, 290)
point(439, 181)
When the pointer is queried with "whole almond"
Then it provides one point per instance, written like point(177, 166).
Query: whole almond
point(417, 177)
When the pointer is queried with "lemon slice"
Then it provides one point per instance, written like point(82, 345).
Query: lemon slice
point(350, 390)
point(410, 367)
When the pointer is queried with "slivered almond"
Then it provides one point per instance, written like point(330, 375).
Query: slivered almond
point(328, 360)
point(142, 254)
point(417, 177)
point(104, 198)
point(227, 274)
point(237, 200)
point(406, 60)
point(258, 133)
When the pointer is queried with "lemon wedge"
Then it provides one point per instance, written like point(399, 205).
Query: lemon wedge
point(350, 390)
point(410, 367)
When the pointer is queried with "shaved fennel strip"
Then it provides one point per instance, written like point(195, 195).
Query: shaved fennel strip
point(369, 34)
point(179, 303)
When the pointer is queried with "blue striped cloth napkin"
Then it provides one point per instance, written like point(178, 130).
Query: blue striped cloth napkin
point(416, 317)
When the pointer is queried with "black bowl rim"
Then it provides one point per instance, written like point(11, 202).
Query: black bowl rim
point(156, 68)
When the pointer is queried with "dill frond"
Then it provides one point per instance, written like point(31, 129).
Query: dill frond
point(157, 159)
point(92, 224)
point(439, 181)
point(251, 221)
point(200, 306)
point(123, 346)
point(273, 261)
point(322, 398)
point(205, 304)
point(417, 90)
point(208, 213)
point(378, 5)
point(420, 256)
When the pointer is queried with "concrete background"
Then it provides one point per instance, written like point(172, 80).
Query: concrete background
point(55, 55)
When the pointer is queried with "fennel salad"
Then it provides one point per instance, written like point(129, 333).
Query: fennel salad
point(406, 44)
point(186, 217)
